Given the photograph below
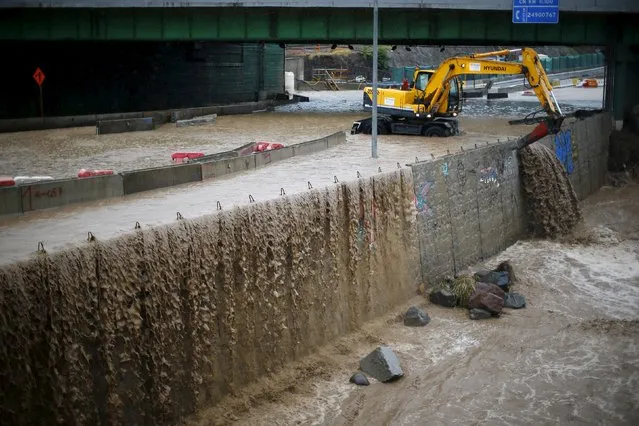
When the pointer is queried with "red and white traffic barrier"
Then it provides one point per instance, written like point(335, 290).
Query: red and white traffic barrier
point(185, 157)
point(7, 181)
point(85, 173)
point(266, 146)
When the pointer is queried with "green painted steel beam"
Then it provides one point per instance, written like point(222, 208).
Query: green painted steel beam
point(424, 26)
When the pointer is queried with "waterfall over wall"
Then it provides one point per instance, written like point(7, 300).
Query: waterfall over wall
point(148, 327)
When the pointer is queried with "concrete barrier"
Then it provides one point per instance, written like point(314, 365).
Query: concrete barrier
point(336, 139)
point(496, 95)
point(213, 167)
point(127, 125)
point(160, 177)
point(159, 117)
point(10, 202)
point(205, 119)
point(310, 147)
point(57, 193)
point(265, 158)
point(229, 166)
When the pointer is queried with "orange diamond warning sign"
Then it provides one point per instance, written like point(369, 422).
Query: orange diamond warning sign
point(38, 76)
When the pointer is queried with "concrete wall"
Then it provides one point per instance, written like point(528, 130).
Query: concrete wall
point(470, 205)
point(83, 78)
point(149, 327)
point(10, 201)
point(62, 192)
point(160, 177)
point(58, 193)
point(218, 168)
point(159, 116)
point(104, 127)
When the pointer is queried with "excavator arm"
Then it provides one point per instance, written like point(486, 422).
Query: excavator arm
point(438, 87)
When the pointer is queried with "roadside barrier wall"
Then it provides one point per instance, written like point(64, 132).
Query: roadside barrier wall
point(10, 202)
point(43, 195)
point(57, 193)
point(104, 127)
point(154, 325)
point(162, 116)
point(160, 177)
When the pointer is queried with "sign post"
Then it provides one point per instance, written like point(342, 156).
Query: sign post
point(535, 11)
point(39, 76)
point(375, 64)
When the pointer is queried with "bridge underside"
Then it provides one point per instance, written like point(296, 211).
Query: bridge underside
point(309, 25)
point(618, 32)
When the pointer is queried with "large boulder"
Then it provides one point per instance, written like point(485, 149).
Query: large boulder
point(382, 364)
point(415, 317)
point(487, 296)
point(514, 301)
point(443, 297)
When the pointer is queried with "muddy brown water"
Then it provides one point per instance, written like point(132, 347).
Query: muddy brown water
point(62, 152)
point(553, 208)
point(571, 357)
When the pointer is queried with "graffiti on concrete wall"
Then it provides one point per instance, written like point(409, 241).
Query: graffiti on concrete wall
point(564, 150)
point(489, 176)
point(445, 168)
point(461, 172)
point(422, 199)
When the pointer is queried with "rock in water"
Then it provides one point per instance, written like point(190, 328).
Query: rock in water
point(514, 301)
point(487, 296)
point(382, 364)
point(507, 267)
point(415, 317)
point(359, 379)
point(551, 199)
point(499, 278)
point(443, 298)
point(479, 314)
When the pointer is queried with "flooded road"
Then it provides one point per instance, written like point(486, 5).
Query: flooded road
point(66, 150)
point(571, 357)
point(62, 227)
point(62, 152)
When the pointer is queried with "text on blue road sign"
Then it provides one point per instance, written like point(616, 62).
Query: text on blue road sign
point(535, 11)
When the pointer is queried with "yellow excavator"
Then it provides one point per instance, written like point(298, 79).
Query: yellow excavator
point(431, 105)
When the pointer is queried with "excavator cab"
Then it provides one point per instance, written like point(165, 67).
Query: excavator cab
point(454, 98)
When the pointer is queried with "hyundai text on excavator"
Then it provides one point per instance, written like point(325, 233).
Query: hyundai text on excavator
point(431, 106)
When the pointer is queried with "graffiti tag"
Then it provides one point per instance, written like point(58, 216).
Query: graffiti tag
point(563, 150)
point(422, 199)
point(489, 175)
point(445, 168)
point(461, 173)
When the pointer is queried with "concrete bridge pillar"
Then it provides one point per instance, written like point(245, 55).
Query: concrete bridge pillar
point(625, 85)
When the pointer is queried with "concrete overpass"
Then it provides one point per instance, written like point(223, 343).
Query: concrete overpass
point(608, 23)
point(565, 5)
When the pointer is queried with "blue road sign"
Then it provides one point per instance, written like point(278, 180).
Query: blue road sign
point(535, 11)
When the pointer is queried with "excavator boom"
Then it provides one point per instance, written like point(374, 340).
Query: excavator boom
point(530, 67)
point(431, 106)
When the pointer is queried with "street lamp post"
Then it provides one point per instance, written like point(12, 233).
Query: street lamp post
point(375, 60)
